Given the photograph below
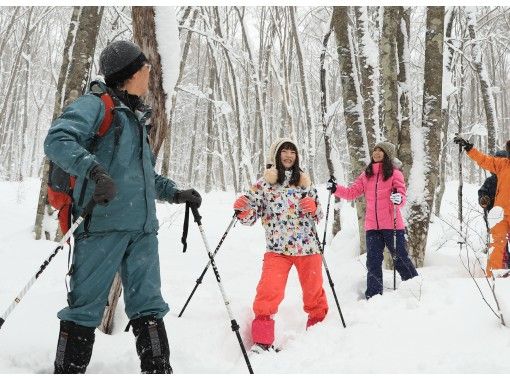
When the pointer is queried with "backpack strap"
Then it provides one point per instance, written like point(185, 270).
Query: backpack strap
point(108, 114)
point(105, 125)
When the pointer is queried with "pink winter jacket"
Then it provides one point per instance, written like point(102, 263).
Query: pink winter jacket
point(379, 211)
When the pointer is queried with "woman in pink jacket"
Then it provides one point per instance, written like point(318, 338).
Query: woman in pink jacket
point(384, 189)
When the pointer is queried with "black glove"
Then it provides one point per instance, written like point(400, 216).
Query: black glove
point(190, 196)
point(484, 201)
point(463, 143)
point(105, 189)
point(331, 186)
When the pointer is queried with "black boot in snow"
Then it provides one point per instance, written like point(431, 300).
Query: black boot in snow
point(74, 348)
point(152, 344)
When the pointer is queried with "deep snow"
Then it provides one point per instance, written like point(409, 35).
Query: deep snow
point(442, 326)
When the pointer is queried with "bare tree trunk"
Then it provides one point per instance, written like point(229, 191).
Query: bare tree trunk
point(106, 325)
point(66, 83)
point(367, 64)
point(388, 54)
point(23, 136)
point(404, 152)
point(7, 31)
point(210, 127)
point(83, 51)
point(487, 96)
point(167, 144)
point(353, 119)
point(15, 68)
point(259, 119)
point(304, 91)
point(325, 123)
point(243, 171)
point(446, 114)
point(442, 168)
point(431, 125)
point(144, 34)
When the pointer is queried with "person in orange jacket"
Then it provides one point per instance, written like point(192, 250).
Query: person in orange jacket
point(288, 206)
point(501, 210)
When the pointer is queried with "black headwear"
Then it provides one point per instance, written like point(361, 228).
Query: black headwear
point(119, 61)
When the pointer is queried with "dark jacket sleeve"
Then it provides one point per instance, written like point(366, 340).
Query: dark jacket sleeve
point(72, 132)
point(488, 189)
point(165, 187)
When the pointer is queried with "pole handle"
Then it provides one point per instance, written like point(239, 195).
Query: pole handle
point(196, 215)
point(88, 208)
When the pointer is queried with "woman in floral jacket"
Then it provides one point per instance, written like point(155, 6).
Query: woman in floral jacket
point(288, 207)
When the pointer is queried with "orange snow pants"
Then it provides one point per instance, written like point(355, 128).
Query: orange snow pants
point(271, 290)
point(499, 235)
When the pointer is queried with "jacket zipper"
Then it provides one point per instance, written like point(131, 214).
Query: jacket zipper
point(376, 184)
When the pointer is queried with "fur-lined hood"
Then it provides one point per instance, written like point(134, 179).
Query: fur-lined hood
point(271, 177)
point(271, 174)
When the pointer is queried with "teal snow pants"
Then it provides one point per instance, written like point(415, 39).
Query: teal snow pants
point(97, 257)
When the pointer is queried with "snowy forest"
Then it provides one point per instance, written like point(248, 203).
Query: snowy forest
point(225, 83)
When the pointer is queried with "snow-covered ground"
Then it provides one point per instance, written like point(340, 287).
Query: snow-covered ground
point(440, 326)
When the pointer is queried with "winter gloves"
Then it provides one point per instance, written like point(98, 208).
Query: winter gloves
point(484, 201)
point(242, 207)
point(105, 190)
point(308, 205)
point(190, 196)
point(331, 186)
point(463, 143)
point(396, 198)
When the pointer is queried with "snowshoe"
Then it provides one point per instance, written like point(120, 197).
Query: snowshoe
point(259, 348)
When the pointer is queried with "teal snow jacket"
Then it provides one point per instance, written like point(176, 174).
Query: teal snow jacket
point(124, 152)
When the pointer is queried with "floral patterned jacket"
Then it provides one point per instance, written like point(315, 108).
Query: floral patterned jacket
point(289, 231)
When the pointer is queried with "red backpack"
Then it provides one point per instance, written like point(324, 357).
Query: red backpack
point(61, 184)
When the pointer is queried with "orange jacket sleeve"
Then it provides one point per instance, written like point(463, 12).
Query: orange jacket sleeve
point(490, 163)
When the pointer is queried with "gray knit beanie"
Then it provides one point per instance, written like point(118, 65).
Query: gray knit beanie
point(119, 61)
point(387, 147)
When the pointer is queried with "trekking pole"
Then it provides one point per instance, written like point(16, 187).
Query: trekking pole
point(63, 241)
point(199, 280)
point(394, 246)
point(321, 247)
point(394, 254)
point(459, 199)
point(332, 179)
point(234, 325)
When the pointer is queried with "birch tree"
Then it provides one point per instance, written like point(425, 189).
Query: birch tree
point(144, 34)
point(421, 208)
point(388, 67)
point(404, 152)
point(74, 75)
point(367, 64)
point(304, 92)
point(485, 86)
point(352, 109)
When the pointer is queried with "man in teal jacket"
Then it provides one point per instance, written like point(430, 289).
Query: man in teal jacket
point(120, 234)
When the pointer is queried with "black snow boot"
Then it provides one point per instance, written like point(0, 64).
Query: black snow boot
point(74, 348)
point(152, 344)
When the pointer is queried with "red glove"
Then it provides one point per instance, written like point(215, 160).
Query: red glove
point(308, 205)
point(242, 206)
